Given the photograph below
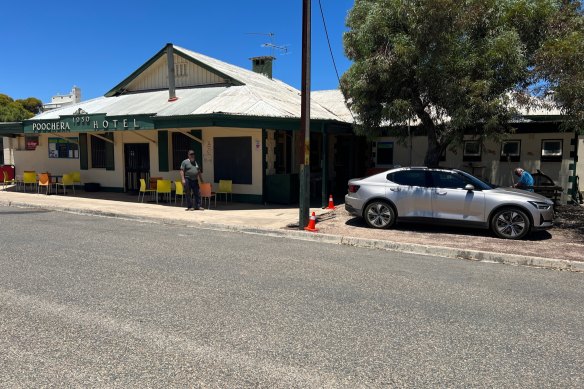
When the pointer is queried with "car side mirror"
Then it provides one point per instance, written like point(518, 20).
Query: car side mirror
point(469, 187)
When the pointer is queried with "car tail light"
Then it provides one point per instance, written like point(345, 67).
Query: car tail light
point(353, 188)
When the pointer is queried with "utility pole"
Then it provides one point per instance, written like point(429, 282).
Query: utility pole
point(304, 175)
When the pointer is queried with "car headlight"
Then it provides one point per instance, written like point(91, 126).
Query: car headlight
point(540, 205)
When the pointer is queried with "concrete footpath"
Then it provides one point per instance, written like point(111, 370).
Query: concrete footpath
point(273, 220)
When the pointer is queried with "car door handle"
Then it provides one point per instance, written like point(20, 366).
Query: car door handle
point(441, 193)
point(394, 189)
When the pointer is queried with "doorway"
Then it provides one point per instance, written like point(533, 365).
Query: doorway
point(137, 165)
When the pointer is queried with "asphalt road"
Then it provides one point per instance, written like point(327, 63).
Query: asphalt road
point(100, 302)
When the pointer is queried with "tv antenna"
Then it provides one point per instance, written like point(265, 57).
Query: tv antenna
point(283, 49)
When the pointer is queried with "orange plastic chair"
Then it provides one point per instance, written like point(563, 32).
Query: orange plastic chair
point(207, 193)
point(44, 180)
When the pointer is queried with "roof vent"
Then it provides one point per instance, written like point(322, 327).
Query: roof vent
point(263, 65)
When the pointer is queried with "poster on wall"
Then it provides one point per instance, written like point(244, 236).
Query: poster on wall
point(63, 148)
point(31, 142)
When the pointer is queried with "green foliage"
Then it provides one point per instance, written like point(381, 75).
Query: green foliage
point(16, 111)
point(451, 65)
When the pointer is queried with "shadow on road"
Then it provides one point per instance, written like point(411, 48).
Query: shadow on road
point(441, 229)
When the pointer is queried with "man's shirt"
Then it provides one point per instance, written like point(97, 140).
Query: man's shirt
point(526, 180)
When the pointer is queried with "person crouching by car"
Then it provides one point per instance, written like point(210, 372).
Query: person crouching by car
point(525, 181)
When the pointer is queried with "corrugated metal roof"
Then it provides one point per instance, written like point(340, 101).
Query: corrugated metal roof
point(259, 96)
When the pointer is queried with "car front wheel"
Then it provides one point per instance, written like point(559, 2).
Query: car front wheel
point(379, 214)
point(510, 223)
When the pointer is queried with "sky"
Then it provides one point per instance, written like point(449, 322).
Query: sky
point(47, 47)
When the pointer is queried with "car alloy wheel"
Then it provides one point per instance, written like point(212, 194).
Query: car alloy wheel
point(379, 214)
point(510, 223)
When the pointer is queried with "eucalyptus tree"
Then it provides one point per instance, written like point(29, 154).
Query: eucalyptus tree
point(453, 66)
point(15, 111)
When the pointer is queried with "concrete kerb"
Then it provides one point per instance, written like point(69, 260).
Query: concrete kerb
point(412, 248)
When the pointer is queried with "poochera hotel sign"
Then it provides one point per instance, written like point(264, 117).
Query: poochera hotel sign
point(88, 123)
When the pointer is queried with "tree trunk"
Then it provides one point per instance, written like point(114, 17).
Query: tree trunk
point(432, 158)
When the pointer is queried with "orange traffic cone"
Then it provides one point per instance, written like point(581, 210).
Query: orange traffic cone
point(312, 224)
point(331, 203)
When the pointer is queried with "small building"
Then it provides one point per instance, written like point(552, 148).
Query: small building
point(59, 101)
point(244, 126)
point(538, 144)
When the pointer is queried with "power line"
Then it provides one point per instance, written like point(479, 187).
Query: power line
point(332, 56)
point(328, 41)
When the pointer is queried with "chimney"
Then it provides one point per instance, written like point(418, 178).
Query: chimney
point(263, 65)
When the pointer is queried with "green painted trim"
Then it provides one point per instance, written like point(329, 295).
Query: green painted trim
point(232, 81)
point(83, 152)
point(11, 128)
point(571, 178)
point(264, 162)
point(119, 88)
point(572, 166)
point(163, 151)
point(89, 123)
point(325, 164)
point(247, 198)
point(218, 120)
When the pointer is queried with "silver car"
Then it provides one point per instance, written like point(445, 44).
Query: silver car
point(447, 196)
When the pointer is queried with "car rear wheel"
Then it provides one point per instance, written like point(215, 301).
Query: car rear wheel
point(510, 223)
point(379, 214)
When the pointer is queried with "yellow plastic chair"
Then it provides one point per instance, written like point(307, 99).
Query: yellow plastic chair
point(144, 189)
point(179, 190)
point(164, 188)
point(44, 180)
point(207, 193)
point(29, 177)
point(76, 178)
point(67, 180)
point(226, 188)
point(8, 181)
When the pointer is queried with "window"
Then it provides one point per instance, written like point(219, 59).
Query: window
point(63, 148)
point(181, 144)
point(180, 69)
point(233, 159)
point(551, 150)
point(384, 153)
point(447, 180)
point(97, 153)
point(409, 177)
point(511, 150)
point(471, 151)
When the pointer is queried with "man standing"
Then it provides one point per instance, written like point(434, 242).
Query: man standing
point(189, 174)
point(525, 180)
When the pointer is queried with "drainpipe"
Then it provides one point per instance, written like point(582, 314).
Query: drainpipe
point(171, 76)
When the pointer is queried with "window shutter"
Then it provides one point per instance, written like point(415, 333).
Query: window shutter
point(83, 154)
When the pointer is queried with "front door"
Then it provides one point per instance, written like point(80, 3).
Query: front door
point(137, 165)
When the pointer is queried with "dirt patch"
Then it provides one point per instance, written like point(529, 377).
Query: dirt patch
point(564, 241)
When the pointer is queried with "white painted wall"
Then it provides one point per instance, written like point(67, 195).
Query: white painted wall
point(496, 171)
